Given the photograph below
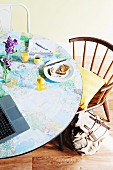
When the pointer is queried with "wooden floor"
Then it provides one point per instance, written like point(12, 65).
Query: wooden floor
point(49, 157)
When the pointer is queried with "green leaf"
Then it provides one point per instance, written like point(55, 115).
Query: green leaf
point(9, 68)
point(2, 64)
point(1, 57)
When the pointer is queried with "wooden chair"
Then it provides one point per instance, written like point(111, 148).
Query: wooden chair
point(100, 63)
point(7, 16)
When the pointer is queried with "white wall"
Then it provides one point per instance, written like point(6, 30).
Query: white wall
point(63, 19)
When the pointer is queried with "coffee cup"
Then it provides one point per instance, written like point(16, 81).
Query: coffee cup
point(37, 59)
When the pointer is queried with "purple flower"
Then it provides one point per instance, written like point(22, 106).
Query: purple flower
point(10, 45)
point(7, 62)
point(15, 41)
point(10, 50)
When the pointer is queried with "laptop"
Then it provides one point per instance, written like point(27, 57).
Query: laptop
point(12, 123)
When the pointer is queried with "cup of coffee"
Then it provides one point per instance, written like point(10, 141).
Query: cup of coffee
point(37, 59)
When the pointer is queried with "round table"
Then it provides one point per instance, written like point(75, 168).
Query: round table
point(48, 112)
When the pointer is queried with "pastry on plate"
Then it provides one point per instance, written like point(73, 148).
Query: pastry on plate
point(62, 69)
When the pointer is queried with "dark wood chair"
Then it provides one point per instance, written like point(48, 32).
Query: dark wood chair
point(95, 55)
point(100, 63)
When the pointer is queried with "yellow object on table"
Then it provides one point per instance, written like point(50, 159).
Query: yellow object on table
point(25, 56)
point(37, 59)
point(41, 84)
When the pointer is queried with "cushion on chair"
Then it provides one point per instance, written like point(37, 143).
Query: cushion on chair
point(91, 85)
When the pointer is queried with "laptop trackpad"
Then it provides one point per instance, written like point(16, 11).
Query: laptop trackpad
point(13, 113)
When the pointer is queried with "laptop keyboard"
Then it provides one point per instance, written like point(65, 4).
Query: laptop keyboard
point(5, 127)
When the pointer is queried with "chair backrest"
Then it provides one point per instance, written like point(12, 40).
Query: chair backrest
point(6, 16)
point(96, 55)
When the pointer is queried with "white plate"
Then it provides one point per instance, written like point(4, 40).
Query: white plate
point(57, 77)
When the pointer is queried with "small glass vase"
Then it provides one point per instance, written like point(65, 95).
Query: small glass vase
point(5, 77)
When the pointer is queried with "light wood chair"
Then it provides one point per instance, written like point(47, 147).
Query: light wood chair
point(98, 54)
point(7, 16)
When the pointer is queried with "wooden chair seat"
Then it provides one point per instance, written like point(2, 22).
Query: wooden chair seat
point(94, 101)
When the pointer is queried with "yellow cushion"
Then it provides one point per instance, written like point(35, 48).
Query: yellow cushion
point(91, 85)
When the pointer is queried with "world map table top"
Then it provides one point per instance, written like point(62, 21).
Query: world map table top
point(47, 112)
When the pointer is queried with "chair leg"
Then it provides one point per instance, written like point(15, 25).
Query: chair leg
point(61, 142)
point(106, 110)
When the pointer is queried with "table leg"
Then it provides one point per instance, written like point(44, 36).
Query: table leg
point(61, 142)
